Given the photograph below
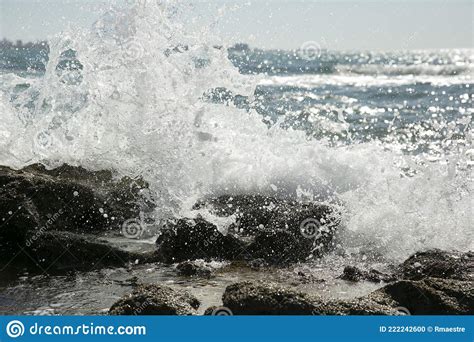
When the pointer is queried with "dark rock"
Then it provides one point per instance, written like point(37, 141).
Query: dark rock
point(37, 207)
point(358, 306)
point(64, 251)
point(151, 299)
point(277, 231)
point(251, 211)
point(261, 298)
point(354, 274)
point(429, 296)
point(188, 239)
point(57, 252)
point(193, 268)
point(300, 277)
point(313, 225)
point(66, 198)
point(280, 247)
point(438, 264)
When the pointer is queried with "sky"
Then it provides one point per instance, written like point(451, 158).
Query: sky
point(286, 24)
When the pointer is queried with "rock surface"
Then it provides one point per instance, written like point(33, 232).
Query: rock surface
point(354, 274)
point(438, 264)
point(38, 207)
point(188, 239)
point(277, 231)
point(57, 251)
point(429, 296)
point(194, 268)
point(152, 299)
point(261, 298)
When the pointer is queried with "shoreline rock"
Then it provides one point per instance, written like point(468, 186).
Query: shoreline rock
point(44, 211)
point(429, 296)
point(188, 239)
point(276, 231)
point(436, 263)
point(262, 298)
point(194, 268)
point(153, 299)
point(354, 274)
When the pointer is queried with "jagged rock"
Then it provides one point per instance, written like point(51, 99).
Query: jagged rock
point(429, 296)
point(152, 299)
point(438, 264)
point(354, 274)
point(58, 251)
point(258, 298)
point(66, 198)
point(188, 239)
point(252, 212)
point(194, 268)
point(300, 277)
point(39, 204)
point(280, 247)
point(277, 231)
point(262, 298)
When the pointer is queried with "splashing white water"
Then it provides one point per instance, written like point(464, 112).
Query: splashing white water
point(137, 107)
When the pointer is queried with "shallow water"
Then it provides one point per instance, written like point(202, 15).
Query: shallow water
point(94, 292)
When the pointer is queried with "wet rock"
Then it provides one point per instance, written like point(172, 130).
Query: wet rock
point(354, 274)
point(302, 277)
point(429, 296)
point(39, 204)
point(56, 251)
point(66, 198)
point(152, 299)
point(313, 225)
point(261, 298)
point(252, 212)
point(438, 264)
point(190, 239)
point(358, 306)
point(280, 247)
point(280, 231)
point(194, 268)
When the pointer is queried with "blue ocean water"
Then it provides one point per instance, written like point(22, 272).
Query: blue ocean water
point(419, 99)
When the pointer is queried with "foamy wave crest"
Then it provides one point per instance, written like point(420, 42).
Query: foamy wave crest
point(128, 95)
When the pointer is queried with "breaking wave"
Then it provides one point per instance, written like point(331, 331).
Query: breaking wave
point(129, 95)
